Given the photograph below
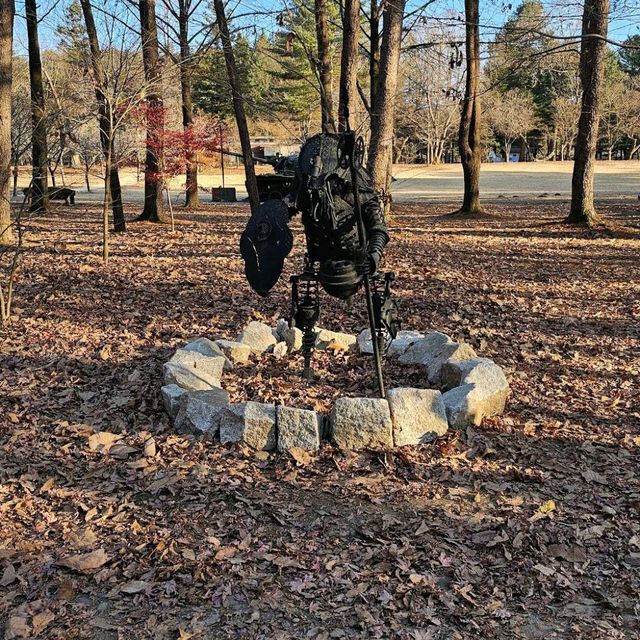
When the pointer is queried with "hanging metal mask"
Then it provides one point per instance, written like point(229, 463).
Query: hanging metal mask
point(264, 245)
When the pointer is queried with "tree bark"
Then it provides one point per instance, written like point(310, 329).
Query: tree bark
point(191, 199)
point(349, 64)
point(7, 11)
point(374, 60)
point(469, 133)
point(105, 122)
point(39, 159)
point(324, 67)
point(595, 22)
point(153, 209)
point(383, 114)
point(15, 176)
point(238, 106)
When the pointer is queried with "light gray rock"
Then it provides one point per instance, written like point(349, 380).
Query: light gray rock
point(423, 351)
point(453, 351)
point(236, 352)
point(209, 348)
point(258, 336)
point(335, 339)
point(193, 371)
point(171, 394)
point(200, 411)
point(298, 429)
point(293, 339)
point(252, 423)
point(402, 342)
point(454, 371)
point(418, 415)
point(280, 350)
point(365, 346)
point(281, 326)
point(357, 423)
point(204, 346)
point(483, 392)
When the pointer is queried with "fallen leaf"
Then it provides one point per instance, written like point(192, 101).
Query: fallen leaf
point(121, 451)
point(300, 455)
point(545, 571)
point(102, 441)
point(150, 448)
point(85, 561)
point(188, 554)
point(591, 476)
point(571, 554)
point(41, 620)
point(135, 586)
point(225, 552)
point(544, 511)
point(8, 576)
point(17, 627)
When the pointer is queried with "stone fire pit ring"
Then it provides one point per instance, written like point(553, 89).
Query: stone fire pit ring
point(469, 388)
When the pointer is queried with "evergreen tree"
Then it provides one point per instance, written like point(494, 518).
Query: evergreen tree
point(630, 57)
point(72, 35)
point(522, 58)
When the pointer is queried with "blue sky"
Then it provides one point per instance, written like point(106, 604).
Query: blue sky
point(565, 15)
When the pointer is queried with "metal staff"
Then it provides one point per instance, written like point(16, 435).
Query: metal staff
point(351, 151)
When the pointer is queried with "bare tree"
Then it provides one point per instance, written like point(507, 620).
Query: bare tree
point(428, 106)
point(383, 112)
point(7, 11)
point(323, 64)
point(512, 116)
point(153, 209)
point(238, 106)
point(566, 112)
point(191, 44)
point(469, 136)
point(39, 154)
point(374, 51)
point(104, 122)
point(349, 62)
point(595, 22)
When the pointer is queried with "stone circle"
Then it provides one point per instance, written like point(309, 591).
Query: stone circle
point(470, 388)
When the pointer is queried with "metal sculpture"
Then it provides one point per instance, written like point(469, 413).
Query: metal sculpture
point(345, 233)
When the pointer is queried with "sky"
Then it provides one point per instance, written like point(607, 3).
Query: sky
point(565, 16)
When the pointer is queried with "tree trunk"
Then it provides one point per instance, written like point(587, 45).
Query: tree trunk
point(152, 210)
point(104, 121)
point(238, 106)
point(383, 114)
point(507, 150)
point(469, 133)
point(6, 54)
point(324, 66)
point(374, 59)
point(349, 64)
point(39, 159)
point(595, 20)
point(16, 170)
point(191, 199)
point(105, 207)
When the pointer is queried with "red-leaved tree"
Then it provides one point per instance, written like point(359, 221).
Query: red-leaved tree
point(207, 135)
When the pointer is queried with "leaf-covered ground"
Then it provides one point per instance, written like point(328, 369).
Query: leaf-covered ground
point(527, 527)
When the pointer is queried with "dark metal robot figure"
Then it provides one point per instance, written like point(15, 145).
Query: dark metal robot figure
point(345, 233)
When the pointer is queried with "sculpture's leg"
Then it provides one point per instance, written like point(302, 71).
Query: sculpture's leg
point(385, 310)
point(305, 299)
